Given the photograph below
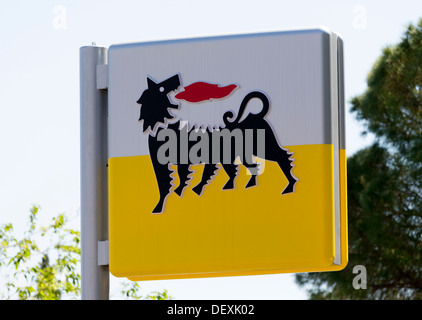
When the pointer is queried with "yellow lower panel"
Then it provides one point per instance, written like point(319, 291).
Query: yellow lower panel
point(223, 233)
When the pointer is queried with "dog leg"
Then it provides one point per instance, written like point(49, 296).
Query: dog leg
point(162, 174)
point(231, 170)
point(254, 173)
point(285, 164)
point(253, 169)
point(183, 172)
point(209, 172)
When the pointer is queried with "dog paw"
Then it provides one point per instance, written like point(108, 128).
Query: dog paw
point(229, 185)
point(197, 189)
point(289, 189)
point(251, 183)
point(179, 191)
point(159, 207)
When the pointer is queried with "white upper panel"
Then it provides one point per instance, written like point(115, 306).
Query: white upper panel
point(292, 68)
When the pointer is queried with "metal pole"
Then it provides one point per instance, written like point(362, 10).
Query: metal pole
point(94, 208)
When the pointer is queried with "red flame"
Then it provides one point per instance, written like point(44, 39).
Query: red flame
point(202, 91)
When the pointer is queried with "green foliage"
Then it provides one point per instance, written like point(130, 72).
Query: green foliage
point(132, 291)
point(391, 105)
point(159, 296)
point(384, 184)
point(41, 274)
point(384, 233)
point(51, 273)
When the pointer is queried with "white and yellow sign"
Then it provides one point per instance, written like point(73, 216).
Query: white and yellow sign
point(227, 156)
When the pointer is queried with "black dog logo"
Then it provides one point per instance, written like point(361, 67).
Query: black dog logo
point(155, 115)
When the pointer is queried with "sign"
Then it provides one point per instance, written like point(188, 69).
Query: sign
point(227, 156)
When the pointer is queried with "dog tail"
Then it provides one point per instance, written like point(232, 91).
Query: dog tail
point(245, 101)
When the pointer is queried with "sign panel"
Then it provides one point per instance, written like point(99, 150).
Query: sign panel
point(227, 156)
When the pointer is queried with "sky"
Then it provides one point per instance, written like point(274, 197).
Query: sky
point(39, 92)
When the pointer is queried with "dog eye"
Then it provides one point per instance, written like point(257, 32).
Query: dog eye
point(161, 89)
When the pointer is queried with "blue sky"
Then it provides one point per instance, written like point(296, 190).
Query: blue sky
point(39, 91)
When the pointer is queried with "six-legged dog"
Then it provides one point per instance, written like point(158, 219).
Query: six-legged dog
point(155, 103)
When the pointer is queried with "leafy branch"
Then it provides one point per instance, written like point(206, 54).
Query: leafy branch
point(44, 264)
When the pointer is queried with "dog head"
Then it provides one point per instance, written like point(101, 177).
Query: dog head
point(155, 102)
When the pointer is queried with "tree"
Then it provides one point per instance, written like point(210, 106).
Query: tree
point(44, 264)
point(384, 184)
point(41, 274)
